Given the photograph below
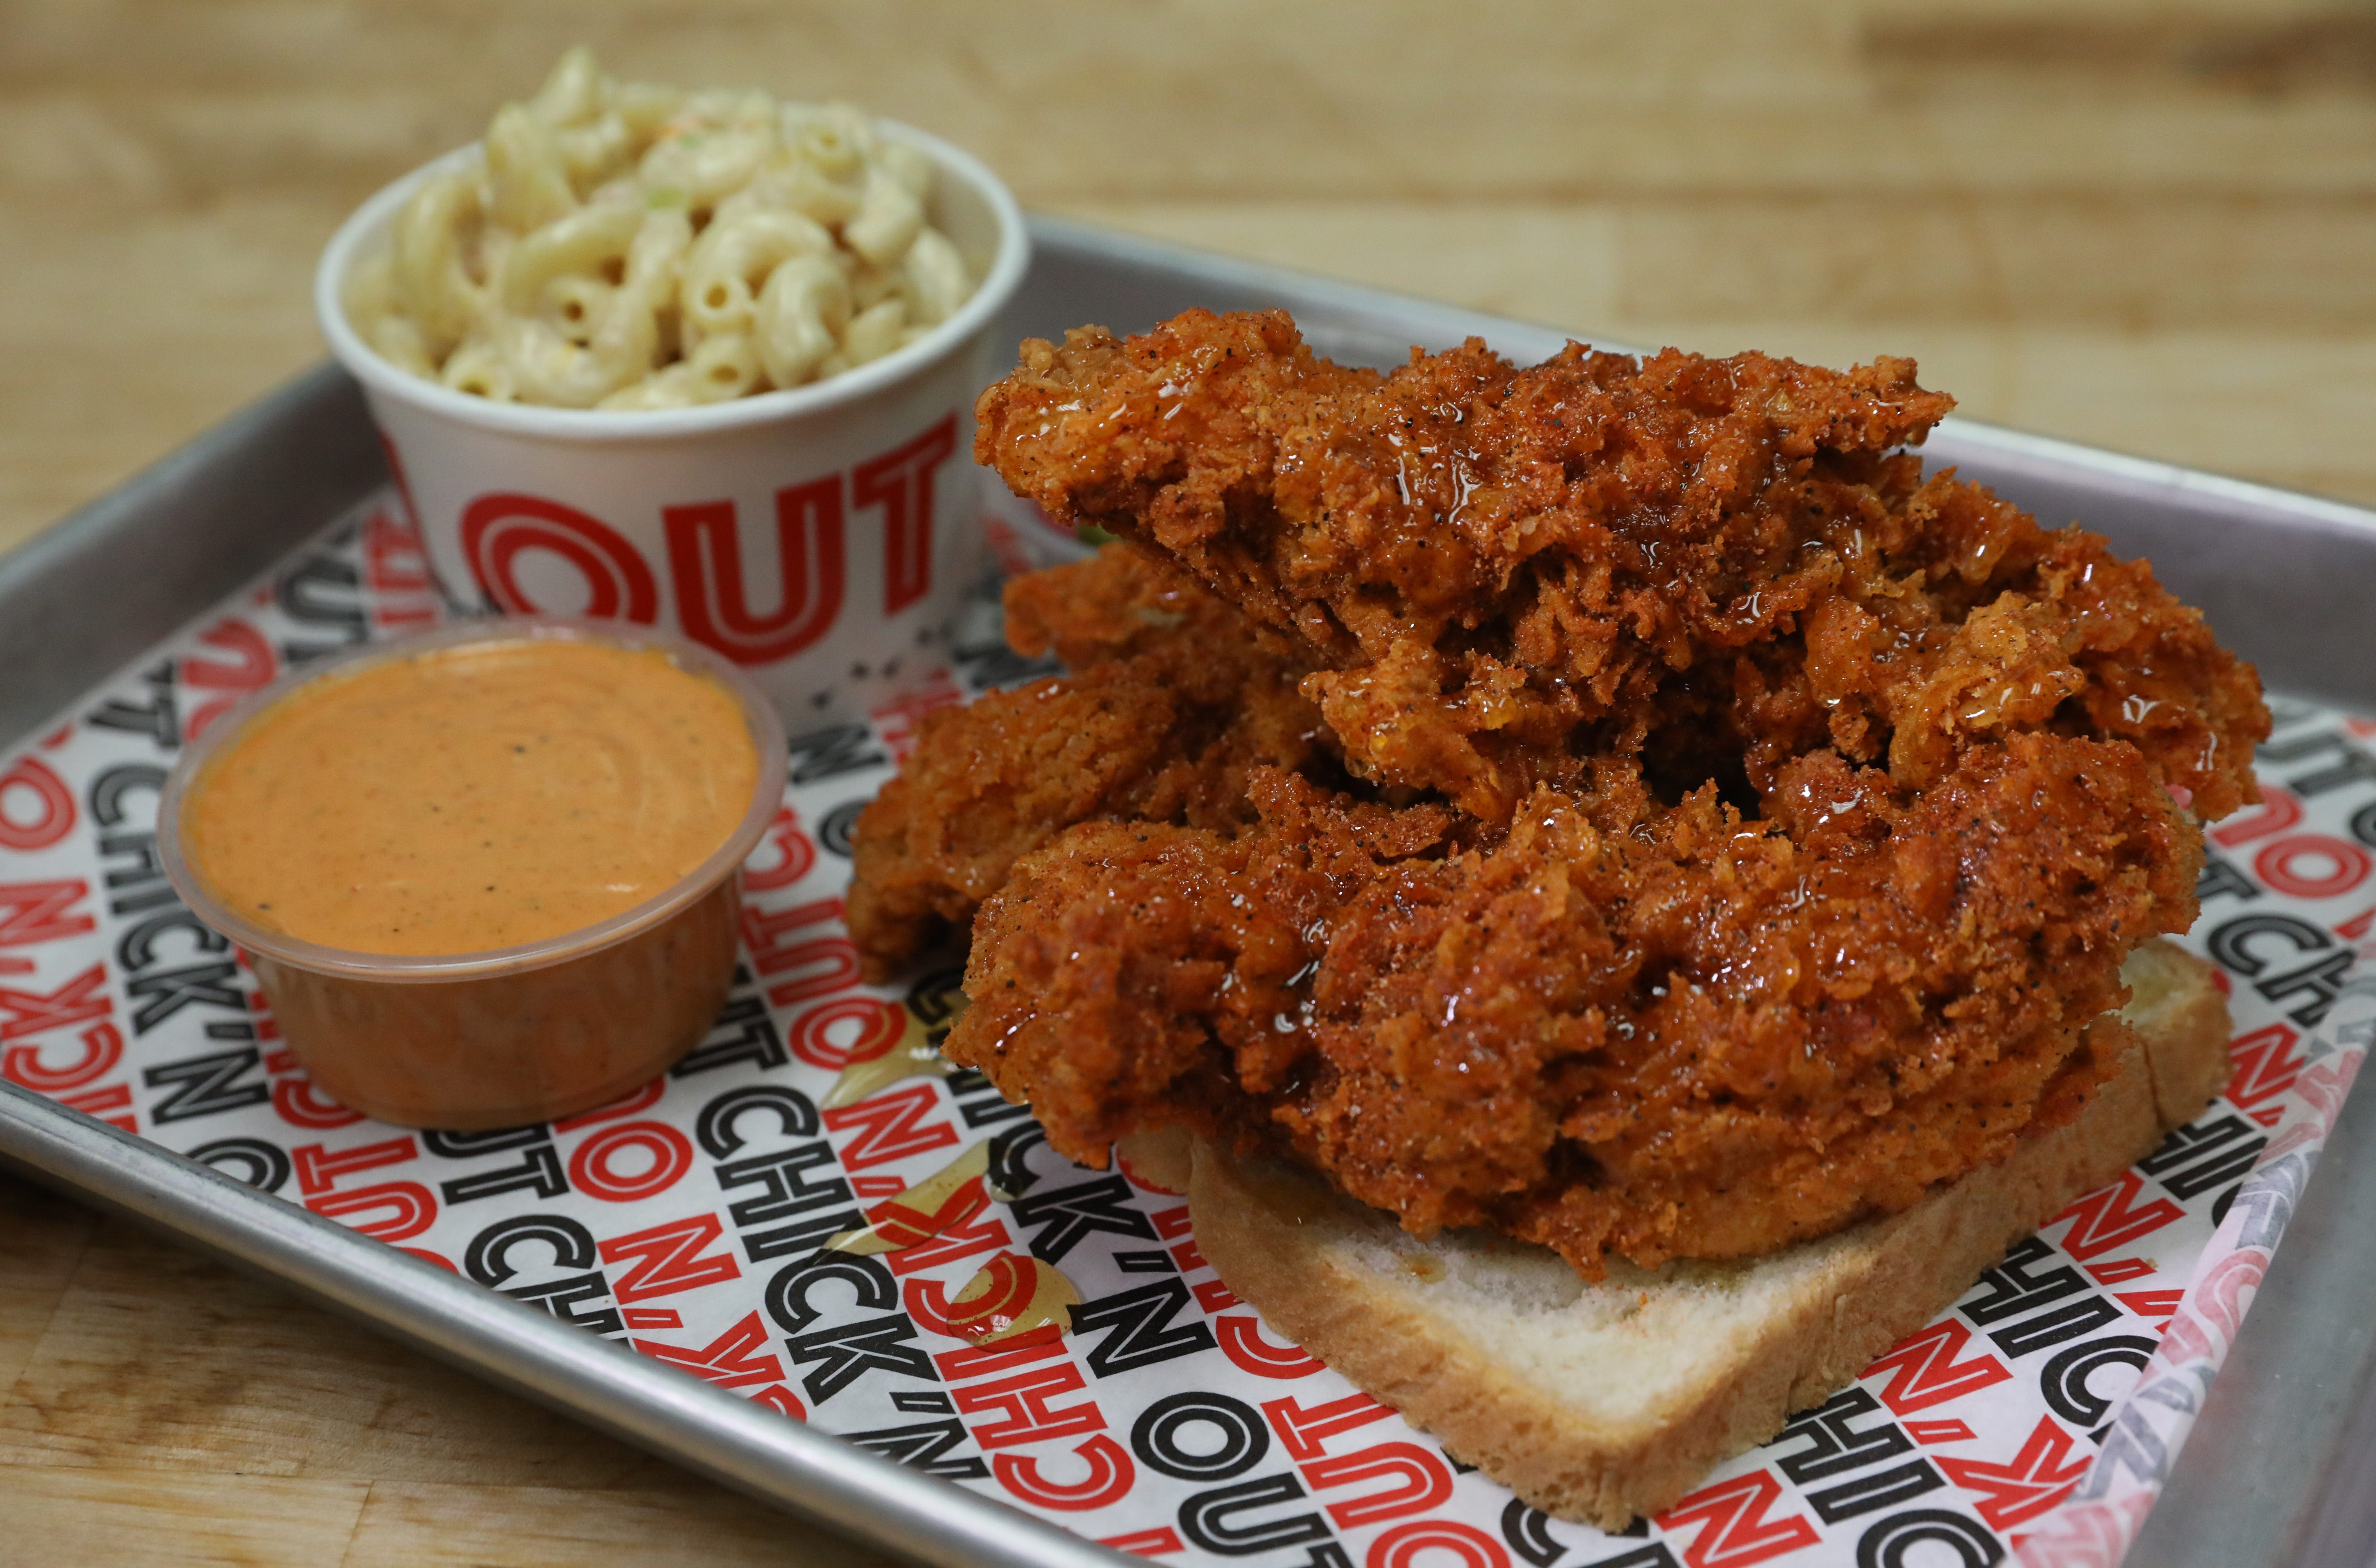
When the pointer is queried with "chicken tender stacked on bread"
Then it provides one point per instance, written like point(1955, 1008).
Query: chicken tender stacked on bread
point(1697, 561)
point(1715, 832)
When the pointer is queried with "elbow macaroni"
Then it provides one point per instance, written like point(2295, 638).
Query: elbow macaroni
point(626, 246)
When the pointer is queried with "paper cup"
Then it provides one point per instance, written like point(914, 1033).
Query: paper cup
point(823, 539)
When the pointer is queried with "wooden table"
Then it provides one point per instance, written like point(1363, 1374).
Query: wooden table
point(2084, 217)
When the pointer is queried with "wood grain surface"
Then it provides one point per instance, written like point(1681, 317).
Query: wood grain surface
point(2109, 219)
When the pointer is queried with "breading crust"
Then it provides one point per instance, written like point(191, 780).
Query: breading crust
point(1627, 805)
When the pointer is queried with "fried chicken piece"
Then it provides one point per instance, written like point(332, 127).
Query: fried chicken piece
point(1753, 825)
point(1504, 572)
point(1171, 699)
point(1625, 1028)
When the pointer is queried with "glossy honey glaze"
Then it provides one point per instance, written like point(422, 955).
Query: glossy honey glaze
point(472, 798)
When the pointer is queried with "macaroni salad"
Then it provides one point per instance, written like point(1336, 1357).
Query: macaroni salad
point(624, 245)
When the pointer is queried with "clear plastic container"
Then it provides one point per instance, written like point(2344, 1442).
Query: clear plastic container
point(510, 1035)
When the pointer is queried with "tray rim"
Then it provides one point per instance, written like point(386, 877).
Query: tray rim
point(786, 1464)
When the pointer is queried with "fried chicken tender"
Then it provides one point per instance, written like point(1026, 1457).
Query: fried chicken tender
point(1622, 1029)
point(1171, 699)
point(1505, 571)
point(1718, 831)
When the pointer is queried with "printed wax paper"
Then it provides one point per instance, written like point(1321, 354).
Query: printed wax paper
point(1048, 1335)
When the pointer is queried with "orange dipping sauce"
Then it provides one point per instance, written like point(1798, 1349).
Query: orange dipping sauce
point(472, 798)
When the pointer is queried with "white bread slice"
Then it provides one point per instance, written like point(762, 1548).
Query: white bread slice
point(1601, 1402)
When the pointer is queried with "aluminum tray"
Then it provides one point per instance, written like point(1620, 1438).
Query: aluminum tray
point(2286, 579)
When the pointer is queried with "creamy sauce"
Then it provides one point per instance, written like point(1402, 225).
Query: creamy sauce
point(472, 799)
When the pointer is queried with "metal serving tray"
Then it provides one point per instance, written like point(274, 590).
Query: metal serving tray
point(2282, 1467)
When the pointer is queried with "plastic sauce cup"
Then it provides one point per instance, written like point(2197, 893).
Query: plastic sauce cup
point(511, 1035)
point(822, 537)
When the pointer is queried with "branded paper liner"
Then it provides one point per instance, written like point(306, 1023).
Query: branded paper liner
point(812, 1211)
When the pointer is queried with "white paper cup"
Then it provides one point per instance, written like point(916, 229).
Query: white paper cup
point(822, 538)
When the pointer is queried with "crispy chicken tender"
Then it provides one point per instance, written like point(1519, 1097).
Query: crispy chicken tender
point(1503, 571)
point(1624, 1027)
point(1725, 831)
point(1170, 700)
